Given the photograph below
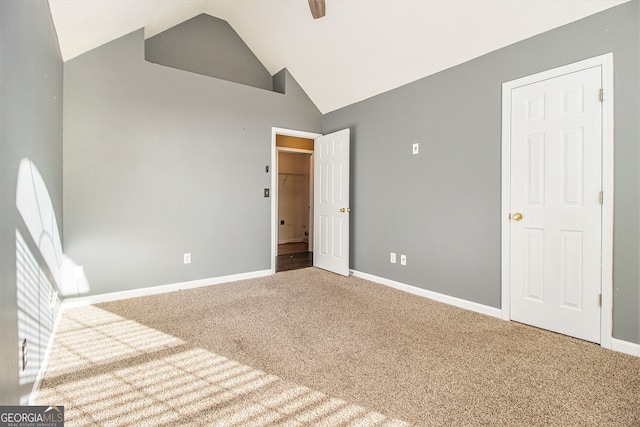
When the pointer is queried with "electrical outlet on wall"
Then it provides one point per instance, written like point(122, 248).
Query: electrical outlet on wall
point(53, 298)
point(403, 260)
point(187, 258)
point(416, 148)
point(392, 258)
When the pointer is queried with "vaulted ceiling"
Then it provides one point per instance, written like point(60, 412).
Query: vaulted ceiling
point(359, 49)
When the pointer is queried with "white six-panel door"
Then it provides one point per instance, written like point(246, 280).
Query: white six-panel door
point(331, 202)
point(556, 183)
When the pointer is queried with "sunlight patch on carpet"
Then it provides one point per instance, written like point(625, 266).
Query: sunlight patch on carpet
point(105, 369)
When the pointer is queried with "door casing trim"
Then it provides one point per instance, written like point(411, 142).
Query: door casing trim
point(606, 63)
point(274, 184)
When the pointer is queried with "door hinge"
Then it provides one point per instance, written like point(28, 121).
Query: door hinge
point(600, 300)
point(601, 197)
point(601, 95)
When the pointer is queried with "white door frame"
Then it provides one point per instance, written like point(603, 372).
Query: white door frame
point(274, 184)
point(606, 62)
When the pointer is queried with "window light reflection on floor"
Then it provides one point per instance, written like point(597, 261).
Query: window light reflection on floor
point(109, 370)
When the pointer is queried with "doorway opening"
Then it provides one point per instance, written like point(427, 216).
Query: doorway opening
point(292, 202)
point(295, 196)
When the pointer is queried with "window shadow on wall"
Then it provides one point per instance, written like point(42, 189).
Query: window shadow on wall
point(43, 274)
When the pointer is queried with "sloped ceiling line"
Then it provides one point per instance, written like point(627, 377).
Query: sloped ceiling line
point(359, 49)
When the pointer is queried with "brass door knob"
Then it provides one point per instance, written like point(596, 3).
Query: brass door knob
point(517, 217)
point(343, 210)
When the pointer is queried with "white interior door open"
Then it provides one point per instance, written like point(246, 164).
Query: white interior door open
point(556, 211)
point(331, 202)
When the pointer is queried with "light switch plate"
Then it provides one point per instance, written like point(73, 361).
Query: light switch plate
point(416, 148)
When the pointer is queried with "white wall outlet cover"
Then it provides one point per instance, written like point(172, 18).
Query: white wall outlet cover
point(392, 258)
point(187, 258)
point(52, 299)
point(403, 259)
point(416, 148)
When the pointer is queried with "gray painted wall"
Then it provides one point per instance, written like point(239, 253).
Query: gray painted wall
point(31, 128)
point(208, 45)
point(159, 162)
point(442, 207)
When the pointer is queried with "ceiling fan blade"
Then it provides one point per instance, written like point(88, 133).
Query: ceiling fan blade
point(317, 8)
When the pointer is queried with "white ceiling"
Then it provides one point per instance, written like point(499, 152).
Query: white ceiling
point(359, 49)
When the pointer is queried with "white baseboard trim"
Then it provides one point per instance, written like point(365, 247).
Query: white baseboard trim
point(153, 290)
point(458, 302)
point(625, 347)
point(45, 359)
point(114, 296)
point(616, 344)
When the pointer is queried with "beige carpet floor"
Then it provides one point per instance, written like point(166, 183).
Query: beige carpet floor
point(308, 347)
